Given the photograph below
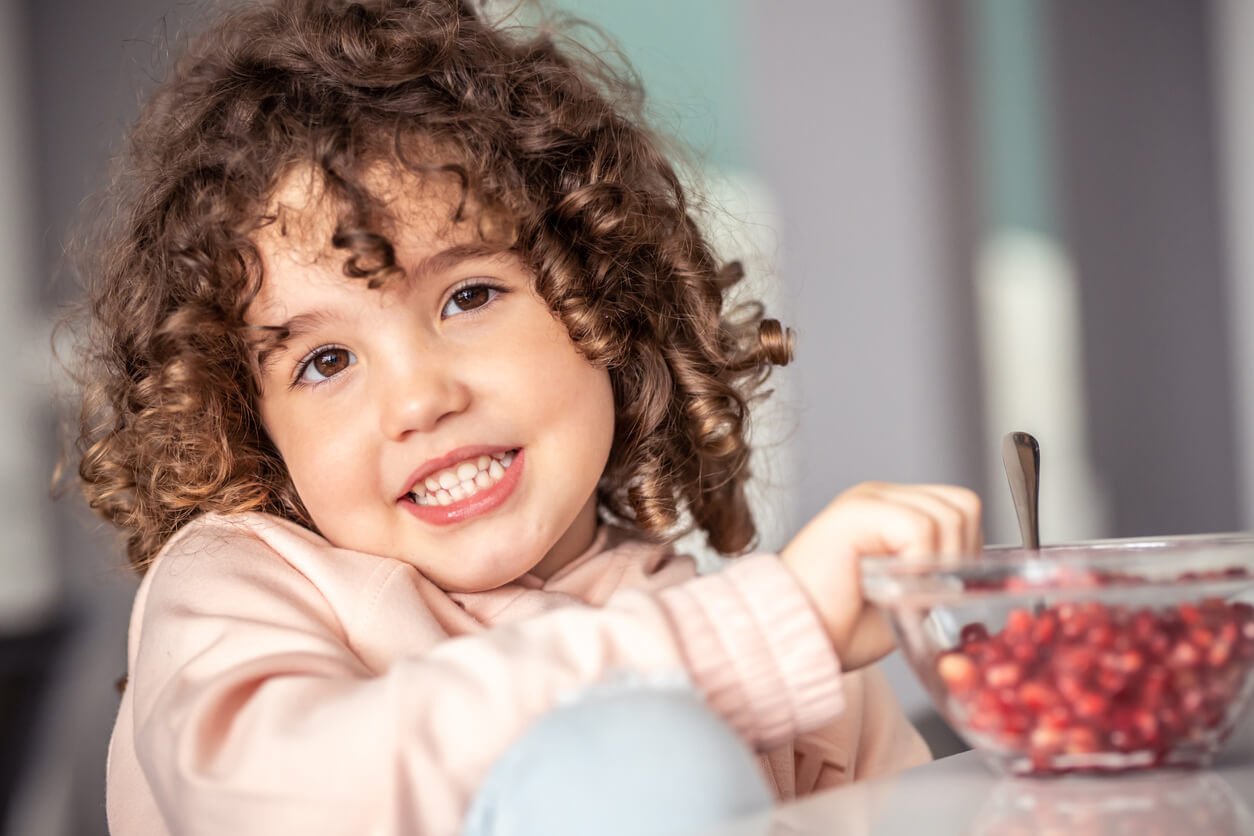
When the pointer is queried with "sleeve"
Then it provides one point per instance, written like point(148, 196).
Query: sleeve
point(889, 743)
point(253, 715)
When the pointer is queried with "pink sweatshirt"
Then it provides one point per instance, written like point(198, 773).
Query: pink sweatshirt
point(278, 684)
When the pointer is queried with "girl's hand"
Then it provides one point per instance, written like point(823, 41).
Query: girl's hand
point(912, 521)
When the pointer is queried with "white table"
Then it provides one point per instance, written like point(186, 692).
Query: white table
point(961, 795)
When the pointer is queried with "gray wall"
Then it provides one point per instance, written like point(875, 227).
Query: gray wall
point(1139, 177)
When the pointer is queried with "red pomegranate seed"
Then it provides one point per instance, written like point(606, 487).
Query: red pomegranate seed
point(1081, 740)
point(1184, 655)
point(1045, 739)
point(1091, 705)
point(973, 633)
point(1102, 635)
point(1192, 700)
point(1058, 717)
point(1146, 724)
point(1201, 638)
point(1003, 675)
point(1071, 685)
point(958, 671)
point(1045, 628)
point(1219, 654)
point(1018, 623)
point(1035, 695)
point(1112, 681)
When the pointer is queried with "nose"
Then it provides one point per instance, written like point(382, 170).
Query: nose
point(417, 395)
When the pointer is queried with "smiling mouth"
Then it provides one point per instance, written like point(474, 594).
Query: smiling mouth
point(463, 480)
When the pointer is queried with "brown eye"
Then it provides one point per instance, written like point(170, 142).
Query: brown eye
point(468, 298)
point(325, 363)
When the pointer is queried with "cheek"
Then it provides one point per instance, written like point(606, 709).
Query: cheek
point(316, 459)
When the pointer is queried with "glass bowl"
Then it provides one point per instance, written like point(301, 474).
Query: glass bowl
point(1106, 656)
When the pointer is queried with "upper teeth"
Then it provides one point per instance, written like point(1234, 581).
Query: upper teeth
point(462, 480)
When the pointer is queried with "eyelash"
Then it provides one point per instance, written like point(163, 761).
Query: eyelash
point(298, 378)
point(470, 284)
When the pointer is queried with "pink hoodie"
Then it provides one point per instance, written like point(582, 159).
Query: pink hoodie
point(278, 684)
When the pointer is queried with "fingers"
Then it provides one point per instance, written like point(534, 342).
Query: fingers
point(927, 521)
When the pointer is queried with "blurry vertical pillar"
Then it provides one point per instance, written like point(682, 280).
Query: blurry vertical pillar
point(1029, 318)
point(1141, 210)
point(29, 582)
point(1232, 32)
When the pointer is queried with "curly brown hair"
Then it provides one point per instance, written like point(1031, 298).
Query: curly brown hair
point(544, 134)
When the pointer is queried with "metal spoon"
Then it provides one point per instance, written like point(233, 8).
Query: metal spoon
point(1021, 456)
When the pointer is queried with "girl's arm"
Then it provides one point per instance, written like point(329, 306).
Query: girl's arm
point(252, 712)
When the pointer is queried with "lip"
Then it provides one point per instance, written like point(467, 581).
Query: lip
point(472, 506)
point(448, 460)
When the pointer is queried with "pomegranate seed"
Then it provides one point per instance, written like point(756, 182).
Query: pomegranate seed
point(1003, 675)
point(1071, 685)
point(958, 671)
point(973, 633)
point(1081, 740)
point(1092, 704)
point(1192, 700)
point(1018, 623)
point(1219, 654)
point(1045, 739)
point(1131, 661)
point(1146, 724)
point(1058, 717)
point(1184, 655)
point(1112, 681)
point(1201, 638)
point(1102, 635)
point(1035, 695)
point(1045, 628)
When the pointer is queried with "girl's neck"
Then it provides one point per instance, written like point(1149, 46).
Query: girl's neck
point(573, 543)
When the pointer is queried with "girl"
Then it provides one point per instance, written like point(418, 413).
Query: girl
point(405, 361)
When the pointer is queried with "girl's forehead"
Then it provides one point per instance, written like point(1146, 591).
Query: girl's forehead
point(422, 217)
point(411, 209)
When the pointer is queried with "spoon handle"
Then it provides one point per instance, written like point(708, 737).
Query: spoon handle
point(1021, 456)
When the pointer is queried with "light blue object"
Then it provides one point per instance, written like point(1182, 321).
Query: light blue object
point(1013, 114)
point(621, 761)
point(690, 57)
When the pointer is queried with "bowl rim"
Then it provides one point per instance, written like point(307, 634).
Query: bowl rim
point(1064, 567)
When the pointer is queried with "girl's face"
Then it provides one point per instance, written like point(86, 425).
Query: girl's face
point(445, 420)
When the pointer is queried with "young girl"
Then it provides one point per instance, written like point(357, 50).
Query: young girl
point(406, 360)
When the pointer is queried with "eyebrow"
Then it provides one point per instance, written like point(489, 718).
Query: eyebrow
point(276, 338)
point(449, 258)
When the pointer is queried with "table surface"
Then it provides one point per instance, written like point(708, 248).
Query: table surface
point(962, 795)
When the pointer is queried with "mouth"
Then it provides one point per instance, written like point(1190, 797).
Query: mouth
point(465, 489)
point(462, 480)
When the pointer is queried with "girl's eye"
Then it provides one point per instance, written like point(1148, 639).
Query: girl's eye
point(468, 298)
point(323, 364)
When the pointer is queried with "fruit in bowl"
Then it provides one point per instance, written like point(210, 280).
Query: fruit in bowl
point(1096, 657)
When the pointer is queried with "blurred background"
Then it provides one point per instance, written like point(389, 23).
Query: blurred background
point(978, 215)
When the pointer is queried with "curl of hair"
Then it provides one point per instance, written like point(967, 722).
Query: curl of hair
point(545, 136)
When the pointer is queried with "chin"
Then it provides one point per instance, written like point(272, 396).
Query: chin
point(480, 580)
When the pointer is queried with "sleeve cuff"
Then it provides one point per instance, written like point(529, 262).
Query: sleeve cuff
point(755, 647)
